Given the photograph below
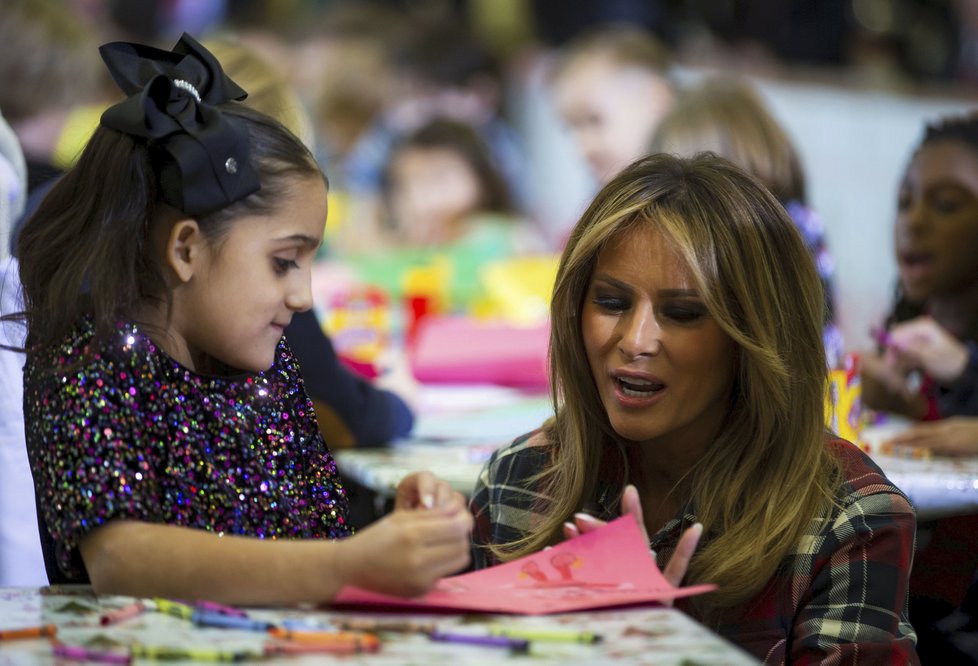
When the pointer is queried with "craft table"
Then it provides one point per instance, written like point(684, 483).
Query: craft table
point(646, 635)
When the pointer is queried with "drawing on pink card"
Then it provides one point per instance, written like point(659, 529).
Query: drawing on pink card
point(610, 566)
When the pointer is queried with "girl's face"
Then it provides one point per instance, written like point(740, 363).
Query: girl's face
point(662, 366)
point(431, 190)
point(243, 291)
point(936, 229)
point(611, 110)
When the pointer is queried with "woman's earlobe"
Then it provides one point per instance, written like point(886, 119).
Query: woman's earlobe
point(183, 248)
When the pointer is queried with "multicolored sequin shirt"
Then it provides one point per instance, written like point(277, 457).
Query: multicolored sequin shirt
point(130, 433)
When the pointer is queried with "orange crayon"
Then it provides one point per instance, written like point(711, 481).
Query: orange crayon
point(28, 632)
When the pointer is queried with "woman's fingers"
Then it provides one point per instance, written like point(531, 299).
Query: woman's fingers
point(679, 562)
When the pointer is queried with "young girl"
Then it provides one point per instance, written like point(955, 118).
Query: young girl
point(935, 234)
point(689, 378)
point(446, 203)
point(174, 449)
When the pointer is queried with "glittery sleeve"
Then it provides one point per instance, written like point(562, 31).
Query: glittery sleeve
point(93, 455)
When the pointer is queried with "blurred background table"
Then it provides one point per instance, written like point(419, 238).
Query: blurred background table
point(938, 486)
point(631, 636)
point(458, 428)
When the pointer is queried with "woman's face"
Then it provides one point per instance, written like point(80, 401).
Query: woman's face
point(936, 229)
point(662, 366)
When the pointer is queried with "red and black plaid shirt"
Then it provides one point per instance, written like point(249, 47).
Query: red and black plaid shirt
point(839, 598)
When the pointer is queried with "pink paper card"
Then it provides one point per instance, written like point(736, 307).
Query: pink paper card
point(610, 566)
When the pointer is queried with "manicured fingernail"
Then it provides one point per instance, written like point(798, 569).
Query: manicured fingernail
point(585, 517)
point(427, 501)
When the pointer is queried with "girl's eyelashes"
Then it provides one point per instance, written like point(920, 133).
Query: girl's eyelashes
point(283, 266)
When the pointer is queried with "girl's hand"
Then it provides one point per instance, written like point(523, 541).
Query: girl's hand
point(957, 436)
point(923, 344)
point(886, 386)
point(423, 490)
point(406, 552)
point(675, 570)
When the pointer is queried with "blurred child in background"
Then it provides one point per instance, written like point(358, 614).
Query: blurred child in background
point(728, 117)
point(926, 367)
point(447, 207)
point(612, 87)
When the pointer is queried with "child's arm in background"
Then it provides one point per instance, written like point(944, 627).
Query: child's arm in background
point(404, 553)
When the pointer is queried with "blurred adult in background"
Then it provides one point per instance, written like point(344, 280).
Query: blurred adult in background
point(728, 117)
point(611, 87)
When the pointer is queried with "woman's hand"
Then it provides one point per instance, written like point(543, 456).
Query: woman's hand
point(956, 436)
point(675, 570)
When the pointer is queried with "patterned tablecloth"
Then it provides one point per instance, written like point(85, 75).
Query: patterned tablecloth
point(631, 636)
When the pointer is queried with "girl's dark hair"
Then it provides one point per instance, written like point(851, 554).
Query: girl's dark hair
point(463, 139)
point(87, 249)
point(962, 129)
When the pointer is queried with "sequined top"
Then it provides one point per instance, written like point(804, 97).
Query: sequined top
point(131, 433)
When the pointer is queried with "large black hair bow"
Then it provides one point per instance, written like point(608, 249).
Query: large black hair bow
point(204, 163)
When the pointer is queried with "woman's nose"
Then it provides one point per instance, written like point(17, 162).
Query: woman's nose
point(641, 334)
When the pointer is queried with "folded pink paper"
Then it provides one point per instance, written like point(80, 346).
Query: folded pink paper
point(608, 567)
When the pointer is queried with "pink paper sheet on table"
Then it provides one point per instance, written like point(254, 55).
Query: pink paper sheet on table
point(611, 566)
point(464, 350)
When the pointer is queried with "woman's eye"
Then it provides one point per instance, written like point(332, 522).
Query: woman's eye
point(611, 303)
point(284, 265)
point(684, 314)
point(903, 201)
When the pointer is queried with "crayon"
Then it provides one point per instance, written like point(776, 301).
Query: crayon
point(366, 642)
point(370, 624)
point(124, 613)
point(78, 653)
point(219, 608)
point(168, 653)
point(175, 608)
point(338, 648)
point(213, 619)
point(547, 634)
point(517, 644)
point(28, 632)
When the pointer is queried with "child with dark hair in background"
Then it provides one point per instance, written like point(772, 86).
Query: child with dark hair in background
point(446, 203)
point(728, 117)
point(175, 452)
point(926, 367)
